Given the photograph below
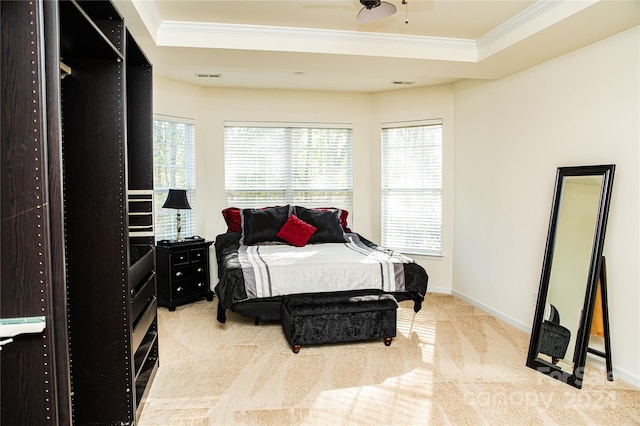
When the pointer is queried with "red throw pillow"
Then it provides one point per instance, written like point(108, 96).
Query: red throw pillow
point(296, 232)
point(232, 218)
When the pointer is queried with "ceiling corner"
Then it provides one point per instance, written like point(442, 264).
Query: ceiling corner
point(150, 15)
point(532, 20)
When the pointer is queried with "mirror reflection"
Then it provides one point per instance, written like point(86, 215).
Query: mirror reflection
point(575, 232)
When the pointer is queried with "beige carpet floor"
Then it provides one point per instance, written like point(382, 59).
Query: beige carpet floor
point(450, 364)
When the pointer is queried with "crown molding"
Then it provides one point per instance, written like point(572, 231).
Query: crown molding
point(150, 15)
point(532, 20)
point(255, 37)
point(535, 18)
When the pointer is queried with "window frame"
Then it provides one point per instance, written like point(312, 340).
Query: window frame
point(165, 219)
point(288, 190)
point(417, 218)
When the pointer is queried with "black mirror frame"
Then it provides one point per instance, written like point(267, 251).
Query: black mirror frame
point(595, 264)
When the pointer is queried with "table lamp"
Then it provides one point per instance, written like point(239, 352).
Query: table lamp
point(177, 199)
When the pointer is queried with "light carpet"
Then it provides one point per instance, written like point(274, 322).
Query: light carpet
point(450, 364)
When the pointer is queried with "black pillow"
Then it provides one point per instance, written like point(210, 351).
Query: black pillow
point(260, 225)
point(327, 222)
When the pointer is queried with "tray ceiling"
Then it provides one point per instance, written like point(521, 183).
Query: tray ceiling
point(318, 45)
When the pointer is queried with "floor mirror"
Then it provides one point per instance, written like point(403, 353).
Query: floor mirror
point(573, 273)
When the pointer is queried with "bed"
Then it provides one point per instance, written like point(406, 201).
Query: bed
point(271, 252)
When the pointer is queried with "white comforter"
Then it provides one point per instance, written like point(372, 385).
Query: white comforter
point(272, 270)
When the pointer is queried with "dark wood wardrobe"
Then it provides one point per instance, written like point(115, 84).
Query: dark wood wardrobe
point(77, 224)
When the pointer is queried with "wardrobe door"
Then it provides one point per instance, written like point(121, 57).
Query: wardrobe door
point(27, 359)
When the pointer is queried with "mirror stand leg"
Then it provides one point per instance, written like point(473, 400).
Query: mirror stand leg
point(605, 319)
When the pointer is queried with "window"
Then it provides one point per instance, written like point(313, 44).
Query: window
point(277, 164)
point(412, 187)
point(174, 166)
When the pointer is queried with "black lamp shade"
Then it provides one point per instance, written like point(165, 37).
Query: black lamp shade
point(177, 199)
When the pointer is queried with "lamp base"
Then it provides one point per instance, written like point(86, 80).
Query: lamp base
point(179, 237)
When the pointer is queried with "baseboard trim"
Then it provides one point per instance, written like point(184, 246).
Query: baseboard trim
point(594, 361)
point(509, 320)
point(441, 290)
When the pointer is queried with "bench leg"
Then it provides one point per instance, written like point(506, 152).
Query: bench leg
point(296, 348)
point(387, 341)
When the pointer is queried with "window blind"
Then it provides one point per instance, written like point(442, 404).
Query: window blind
point(412, 187)
point(287, 164)
point(174, 166)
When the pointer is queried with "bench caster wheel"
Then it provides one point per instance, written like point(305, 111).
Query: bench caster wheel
point(387, 341)
point(295, 348)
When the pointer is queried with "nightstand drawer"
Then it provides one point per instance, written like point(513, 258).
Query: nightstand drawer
point(197, 254)
point(188, 272)
point(180, 258)
point(186, 288)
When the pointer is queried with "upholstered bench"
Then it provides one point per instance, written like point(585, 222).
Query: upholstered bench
point(316, 318)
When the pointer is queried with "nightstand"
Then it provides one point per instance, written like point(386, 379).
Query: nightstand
point(183, 272)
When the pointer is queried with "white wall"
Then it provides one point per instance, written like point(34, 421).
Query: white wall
point(511, 135)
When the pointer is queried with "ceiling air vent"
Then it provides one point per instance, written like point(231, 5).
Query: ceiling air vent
point(208, 75)
point(402, 82)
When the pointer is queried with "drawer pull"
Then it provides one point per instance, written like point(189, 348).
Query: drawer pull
point(179, 274)
point(179, 289)
point(200, 269)
point(200, 285)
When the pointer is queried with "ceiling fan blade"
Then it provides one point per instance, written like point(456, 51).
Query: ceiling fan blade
point(382, 11)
